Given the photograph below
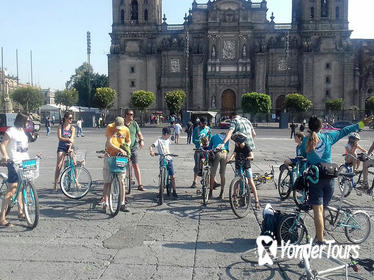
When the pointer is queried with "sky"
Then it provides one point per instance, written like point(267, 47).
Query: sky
point(55, 31)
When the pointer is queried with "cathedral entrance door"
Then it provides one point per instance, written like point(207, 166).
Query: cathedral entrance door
point(280, 104)
point(228, 102)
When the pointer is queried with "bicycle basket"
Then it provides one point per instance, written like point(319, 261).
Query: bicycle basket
point(29, 169)
point(81, 157)
point(117, 164)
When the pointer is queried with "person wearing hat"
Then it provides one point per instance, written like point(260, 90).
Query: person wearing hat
point(117, 134)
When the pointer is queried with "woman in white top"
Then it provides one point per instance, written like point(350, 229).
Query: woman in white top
point(14, 148)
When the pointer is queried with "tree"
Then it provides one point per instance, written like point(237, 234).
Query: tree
point(297, 103)
point(370, 105)
point(30, 98)
point(141, 100)
point(334, 105)
point(255, 102)
point(175, 100)
point(84, 78)
point(104, 99)
point(67, 97)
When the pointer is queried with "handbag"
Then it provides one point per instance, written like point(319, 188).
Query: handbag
point(328, 170)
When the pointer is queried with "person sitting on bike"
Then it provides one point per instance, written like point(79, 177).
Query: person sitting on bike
point(220, 159)
point(351, 150)
point(365, 168)
point(117, 134)
point(316, 147)
point(299, 136)
point(162, 144)
point(243, 155)
point(65, 135)
point(198, 133)
point(14, 149)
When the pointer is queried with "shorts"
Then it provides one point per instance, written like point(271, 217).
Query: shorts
point(107, 176)
point(12, 174)
point(219, 159)
point(196, 158)
point(321, 193)
point(134, 155)
point(170, 168)
point(247, 172)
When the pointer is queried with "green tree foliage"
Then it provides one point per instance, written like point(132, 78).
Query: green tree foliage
point(142, 99)
point(67, 97)
point(297, 103)
point(104, 97)
point(30, 98)
point(255, 102)
point(335, 105)
point(82, 79)
point(175, 100)
point(370, 105)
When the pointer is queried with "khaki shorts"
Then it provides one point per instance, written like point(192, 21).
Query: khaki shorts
point(108, 176)
point(220, 158)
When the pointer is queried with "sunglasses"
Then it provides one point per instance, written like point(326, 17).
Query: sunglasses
point(70, 118)
point(130, 114)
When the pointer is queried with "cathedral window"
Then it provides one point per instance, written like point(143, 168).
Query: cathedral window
point(312, 12)
point(324, 8)
point(145, 15)
point(122, 16)
point(121, 2)
point(337, 12)
point(327, 93)
point(134, 10)
point(328, 80)
point(328, 66)
point(132, 84)
point(145, 2)
point(132, 69)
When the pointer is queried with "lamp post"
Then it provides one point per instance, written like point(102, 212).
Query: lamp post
point(89, 66)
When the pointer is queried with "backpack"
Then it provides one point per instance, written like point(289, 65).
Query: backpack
point(270, 224)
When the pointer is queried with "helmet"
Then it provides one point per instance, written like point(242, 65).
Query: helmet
point(354, 136)
point(239, 137)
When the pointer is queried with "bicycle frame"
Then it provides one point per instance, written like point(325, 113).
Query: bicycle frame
point(163, 164)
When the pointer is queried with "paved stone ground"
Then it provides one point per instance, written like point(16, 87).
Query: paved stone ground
point(179, 240)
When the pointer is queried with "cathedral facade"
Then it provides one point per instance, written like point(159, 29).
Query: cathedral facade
point(226, 48)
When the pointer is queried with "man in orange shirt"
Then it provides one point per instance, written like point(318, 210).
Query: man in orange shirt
point(117, 134)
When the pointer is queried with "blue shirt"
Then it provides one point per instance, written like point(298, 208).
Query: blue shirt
point(322, 152)
point(217, 140)
point(199, 133)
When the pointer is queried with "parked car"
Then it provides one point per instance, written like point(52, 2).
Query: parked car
point(326, 127)
point(341, 124)
point(32, 126)
point(224, 124)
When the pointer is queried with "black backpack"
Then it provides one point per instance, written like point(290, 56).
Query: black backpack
point(270, 224)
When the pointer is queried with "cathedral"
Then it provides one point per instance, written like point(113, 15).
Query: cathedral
point(225, 48)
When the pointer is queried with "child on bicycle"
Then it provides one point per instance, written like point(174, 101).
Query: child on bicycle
point(243, 155)
point(350, 150)
point(299, 136)
point(162, 144)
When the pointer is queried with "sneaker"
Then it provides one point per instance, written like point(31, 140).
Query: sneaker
point(193, 186)
point(124, 208)
point(216, 185)
point(105, 208)
point(175, 196)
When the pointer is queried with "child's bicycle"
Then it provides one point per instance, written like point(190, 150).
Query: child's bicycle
point(75, 179)
point(164, 178)
point(205, 174)
point(260, 179)
point(27, 171)
point(348, 179)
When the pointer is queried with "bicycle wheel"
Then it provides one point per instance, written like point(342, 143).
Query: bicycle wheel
point(30, 204)
point(329, 219)
point(284, 184)
point(240, 197)
point(75, 183)
point(128, 179)
point(3, 191)
point(357, 228)
point(291, 228)
point(344, 183)
point(257, 179)
point(300, 197)
point(162, 186)
point(205, 185)
point(115, 196)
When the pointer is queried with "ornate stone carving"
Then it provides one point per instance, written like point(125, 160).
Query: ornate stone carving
point(174, 65)
point(228, 51)
point(282, 65)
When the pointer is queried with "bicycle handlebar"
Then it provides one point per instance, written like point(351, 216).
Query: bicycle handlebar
point(165, 155)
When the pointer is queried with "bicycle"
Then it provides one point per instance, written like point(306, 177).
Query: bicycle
point(205, 174)
point(27, 171)
point(75, 179)
point(240, 194)
point(287, 177)
point(260, 179)
point(164, 178)
point(346, 177)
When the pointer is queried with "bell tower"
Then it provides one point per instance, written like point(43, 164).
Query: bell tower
point(137, 12)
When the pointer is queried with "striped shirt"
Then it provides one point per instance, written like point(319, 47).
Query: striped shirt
point(243, 125)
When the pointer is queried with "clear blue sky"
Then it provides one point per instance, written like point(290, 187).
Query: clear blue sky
point(55, 30)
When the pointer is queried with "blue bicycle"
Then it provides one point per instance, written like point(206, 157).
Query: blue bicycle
point(288, 175)
point(164, 178)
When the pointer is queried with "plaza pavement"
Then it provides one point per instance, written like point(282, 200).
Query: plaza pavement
point(180, 240)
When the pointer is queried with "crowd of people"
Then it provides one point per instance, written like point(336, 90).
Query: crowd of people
point(124, 137)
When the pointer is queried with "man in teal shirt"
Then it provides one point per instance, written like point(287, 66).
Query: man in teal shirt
point(198, 133)
point(135, 132)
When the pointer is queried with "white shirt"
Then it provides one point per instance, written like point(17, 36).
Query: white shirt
point(79, 123)
point(18, 146)
point(177, 128)
point(162, 146)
